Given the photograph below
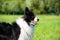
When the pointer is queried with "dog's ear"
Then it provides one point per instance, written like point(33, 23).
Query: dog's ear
point(26, 9)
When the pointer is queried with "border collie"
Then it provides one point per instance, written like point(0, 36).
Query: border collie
point(18, 30)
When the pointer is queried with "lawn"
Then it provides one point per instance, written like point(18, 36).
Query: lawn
point(48, 27)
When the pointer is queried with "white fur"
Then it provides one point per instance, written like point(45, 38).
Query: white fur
point(26, 30)
point(35, 19)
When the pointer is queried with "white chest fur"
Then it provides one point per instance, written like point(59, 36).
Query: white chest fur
point(26, 30)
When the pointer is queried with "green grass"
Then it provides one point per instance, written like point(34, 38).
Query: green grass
point(48, 27)
point(9, 18)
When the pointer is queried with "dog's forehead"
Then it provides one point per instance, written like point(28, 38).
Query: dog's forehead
point(28, 11)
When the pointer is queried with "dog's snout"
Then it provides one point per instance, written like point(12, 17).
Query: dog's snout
point(36, 19)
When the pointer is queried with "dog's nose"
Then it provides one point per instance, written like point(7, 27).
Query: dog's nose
point(37, 19)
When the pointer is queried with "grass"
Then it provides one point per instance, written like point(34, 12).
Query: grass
point(9, 18)
point(48, 27)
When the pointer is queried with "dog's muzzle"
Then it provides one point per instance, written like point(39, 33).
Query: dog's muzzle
point(36, 19)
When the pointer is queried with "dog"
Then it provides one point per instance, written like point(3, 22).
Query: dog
point(20, 29)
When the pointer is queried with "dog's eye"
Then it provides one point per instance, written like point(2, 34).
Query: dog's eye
point(33, 17)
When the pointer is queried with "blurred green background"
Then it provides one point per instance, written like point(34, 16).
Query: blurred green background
point(38, 6)
point(48, 11)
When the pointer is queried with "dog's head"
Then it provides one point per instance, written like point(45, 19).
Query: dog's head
point(29, 15)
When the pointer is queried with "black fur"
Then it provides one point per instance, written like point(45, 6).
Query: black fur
point(9, 31)
point(29, 15)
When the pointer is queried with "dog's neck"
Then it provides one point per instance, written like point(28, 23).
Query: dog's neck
point(22, 23)
point(24, 18)
point(25, 28)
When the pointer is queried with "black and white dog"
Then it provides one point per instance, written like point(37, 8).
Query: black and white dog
point(19, 30)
